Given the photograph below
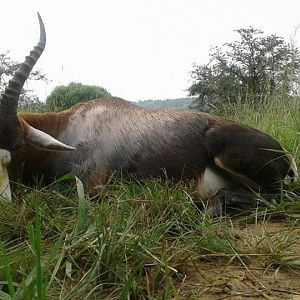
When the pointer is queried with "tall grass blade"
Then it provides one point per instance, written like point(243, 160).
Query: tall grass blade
point(35, 240)
point(125, 294)
point(7, 272)
point(4, 296)
point(82, 209)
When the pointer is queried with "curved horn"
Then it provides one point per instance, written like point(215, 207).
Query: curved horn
point(10, 97)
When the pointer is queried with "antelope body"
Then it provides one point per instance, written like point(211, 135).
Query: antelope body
point(92, 140)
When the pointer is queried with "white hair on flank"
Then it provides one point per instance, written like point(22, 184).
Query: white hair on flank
point(210, 183)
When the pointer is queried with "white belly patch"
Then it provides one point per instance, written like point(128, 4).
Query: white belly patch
point(5, 192)
point(211, 182)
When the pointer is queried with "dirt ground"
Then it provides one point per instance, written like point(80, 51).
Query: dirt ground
point(233, 282)
point(220, 279)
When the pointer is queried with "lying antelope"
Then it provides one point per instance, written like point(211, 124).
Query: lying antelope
point(94, 139)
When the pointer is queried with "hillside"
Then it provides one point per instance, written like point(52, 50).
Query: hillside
point(168, 103)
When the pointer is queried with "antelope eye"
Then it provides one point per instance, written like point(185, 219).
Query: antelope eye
point(5, 157)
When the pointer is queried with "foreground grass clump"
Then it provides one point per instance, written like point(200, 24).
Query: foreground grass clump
point(140, 241)
point(148, 240)
point(136, 242)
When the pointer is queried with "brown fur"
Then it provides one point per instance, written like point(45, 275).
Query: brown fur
point(112, 135)
point(126, 138)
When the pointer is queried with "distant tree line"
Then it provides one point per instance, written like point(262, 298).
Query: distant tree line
point(27, 98)
point(62, 97)
point(168, 103)
point(254, 68)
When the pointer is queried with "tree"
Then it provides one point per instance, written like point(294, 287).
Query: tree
point(252, 68)
point(28, 100)
point(63, 97)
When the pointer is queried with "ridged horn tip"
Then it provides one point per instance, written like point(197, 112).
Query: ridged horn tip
point(9, 98)
point(42, 30)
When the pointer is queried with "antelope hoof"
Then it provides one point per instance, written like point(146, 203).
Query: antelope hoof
point(230, 201)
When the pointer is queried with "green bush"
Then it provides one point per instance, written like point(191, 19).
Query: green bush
point(63, 97)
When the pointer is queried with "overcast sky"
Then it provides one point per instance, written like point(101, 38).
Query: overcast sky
point(136, 49)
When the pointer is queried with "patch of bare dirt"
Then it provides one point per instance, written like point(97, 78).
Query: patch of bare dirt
point(223, 279)
point(232, 282)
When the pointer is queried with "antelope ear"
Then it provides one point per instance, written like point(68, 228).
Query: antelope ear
point(43, 141)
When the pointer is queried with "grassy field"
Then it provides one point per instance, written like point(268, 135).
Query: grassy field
point(149, 240)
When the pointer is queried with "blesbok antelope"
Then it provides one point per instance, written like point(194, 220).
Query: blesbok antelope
point(94, 139)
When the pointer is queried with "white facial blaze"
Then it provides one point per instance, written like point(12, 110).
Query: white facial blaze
point(5, 192)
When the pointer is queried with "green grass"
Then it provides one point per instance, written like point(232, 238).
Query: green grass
point(280, 118)
point(144, 239)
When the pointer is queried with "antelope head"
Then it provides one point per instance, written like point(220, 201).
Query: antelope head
point(15, 133)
